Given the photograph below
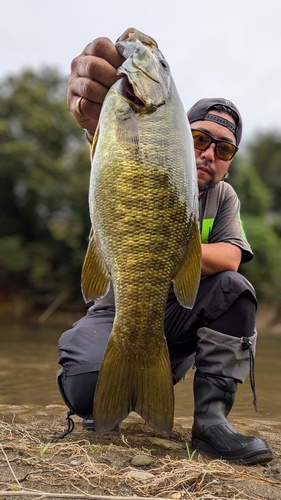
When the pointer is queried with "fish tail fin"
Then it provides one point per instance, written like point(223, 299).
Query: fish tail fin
point(134, 382)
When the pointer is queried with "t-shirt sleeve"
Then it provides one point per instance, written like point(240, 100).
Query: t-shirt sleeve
point(227, 226)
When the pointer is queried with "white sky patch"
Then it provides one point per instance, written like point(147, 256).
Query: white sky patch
point(215, 48)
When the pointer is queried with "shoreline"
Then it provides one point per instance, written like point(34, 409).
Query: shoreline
point(268, 318)
point(131, 463)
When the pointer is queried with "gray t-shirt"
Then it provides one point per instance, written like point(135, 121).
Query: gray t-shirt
point(219, 215)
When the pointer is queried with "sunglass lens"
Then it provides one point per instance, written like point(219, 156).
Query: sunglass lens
point(225, 150)
point(201, 140)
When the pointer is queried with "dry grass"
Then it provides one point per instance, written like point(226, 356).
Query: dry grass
point(100, 468)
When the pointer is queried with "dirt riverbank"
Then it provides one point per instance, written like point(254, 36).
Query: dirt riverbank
point(132, 463)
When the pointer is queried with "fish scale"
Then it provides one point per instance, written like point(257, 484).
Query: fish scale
point(144, 211)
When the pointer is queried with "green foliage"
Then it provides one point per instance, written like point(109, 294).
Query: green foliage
point(43, 448)
point(261, 219)
point(264, 270)
point(44, 221)
point(189, 453)
point(44, 176)
point(265, 154)
point(12, 257)
point(254, 195)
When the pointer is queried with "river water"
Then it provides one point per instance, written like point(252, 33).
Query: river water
point(28, 366)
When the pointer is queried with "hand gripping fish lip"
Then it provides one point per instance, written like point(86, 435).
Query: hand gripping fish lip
point(145, 235)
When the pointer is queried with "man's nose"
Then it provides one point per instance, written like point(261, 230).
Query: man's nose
point(209, 153)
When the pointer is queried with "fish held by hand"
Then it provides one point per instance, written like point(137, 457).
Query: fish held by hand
point(143, 201)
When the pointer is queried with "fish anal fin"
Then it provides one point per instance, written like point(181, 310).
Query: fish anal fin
point(95, 278)
point(134, 383)
point(187, 279)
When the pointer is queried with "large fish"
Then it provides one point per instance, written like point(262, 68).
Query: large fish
point(143, 207)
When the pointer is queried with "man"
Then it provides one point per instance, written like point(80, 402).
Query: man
point(220, 329)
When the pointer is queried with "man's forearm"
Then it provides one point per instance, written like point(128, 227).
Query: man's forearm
point(217, 257)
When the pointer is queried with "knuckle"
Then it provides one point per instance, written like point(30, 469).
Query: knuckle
point(100, 46)
point(97, 47)
point(74, 64)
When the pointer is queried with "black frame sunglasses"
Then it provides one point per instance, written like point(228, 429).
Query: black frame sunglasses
point(224, 150)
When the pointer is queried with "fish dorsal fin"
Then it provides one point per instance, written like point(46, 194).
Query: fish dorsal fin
point(187, 279)
point(95, 277)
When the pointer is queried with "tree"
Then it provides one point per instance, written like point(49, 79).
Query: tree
point(256, 208)
point(254, 195)
point(265, 154)
point(44, 221)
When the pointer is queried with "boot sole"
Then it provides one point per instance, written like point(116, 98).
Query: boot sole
point(251, 458)
point(88, 425)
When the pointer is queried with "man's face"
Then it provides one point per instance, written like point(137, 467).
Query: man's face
point(211, 169)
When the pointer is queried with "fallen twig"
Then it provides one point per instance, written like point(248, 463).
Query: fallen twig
point(43, 494)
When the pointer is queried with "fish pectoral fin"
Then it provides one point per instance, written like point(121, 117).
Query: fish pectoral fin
point(187, 280)
point(95, 278)
point(134, 383)
point(127, 132)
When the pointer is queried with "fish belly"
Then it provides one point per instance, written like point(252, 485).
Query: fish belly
point(142, 227)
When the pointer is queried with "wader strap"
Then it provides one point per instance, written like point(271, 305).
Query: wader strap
point(70, 427)
point(247, 344)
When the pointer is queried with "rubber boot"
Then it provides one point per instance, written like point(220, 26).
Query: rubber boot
point(214, 396)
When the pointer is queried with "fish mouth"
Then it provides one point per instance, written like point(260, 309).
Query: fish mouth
point(128, 92)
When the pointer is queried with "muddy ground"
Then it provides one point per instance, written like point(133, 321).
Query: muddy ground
point(133, 462)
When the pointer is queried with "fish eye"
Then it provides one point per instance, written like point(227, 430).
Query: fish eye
point(163, 63)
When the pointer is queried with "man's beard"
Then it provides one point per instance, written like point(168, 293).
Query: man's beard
point(208, 184)
point(211, 183)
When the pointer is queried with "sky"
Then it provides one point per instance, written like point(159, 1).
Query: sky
point(215, 48)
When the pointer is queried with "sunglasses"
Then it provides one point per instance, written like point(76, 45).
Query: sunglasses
point(223, 150)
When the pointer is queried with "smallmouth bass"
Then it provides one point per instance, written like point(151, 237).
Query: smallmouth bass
point(143, 201)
